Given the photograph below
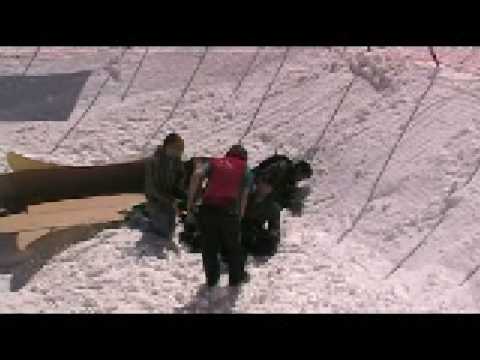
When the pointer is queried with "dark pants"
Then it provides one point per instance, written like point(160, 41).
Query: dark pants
point(162, 216)
point(259, 242)
point(221, 230)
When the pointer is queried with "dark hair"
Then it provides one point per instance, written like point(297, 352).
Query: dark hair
point(173, 139)
point(238, 151)
point(304, 168)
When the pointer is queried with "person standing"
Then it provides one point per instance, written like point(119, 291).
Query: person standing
point(224, 201)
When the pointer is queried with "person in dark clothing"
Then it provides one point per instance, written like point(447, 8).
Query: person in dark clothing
point(285, 175)
point(261, 223)
point(223, 204)
point(164, 176)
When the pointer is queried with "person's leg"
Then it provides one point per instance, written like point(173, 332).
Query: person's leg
point(209, 226)
point(247, 238)
point(159, 218)
point(197, 242)
point(171, 216)
point(235, 255)
point(223, 253)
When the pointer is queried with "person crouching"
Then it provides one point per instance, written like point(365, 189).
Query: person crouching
point(261, 223)
point(164, 174)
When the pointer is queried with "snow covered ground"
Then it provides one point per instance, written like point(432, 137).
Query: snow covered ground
point(427, 193)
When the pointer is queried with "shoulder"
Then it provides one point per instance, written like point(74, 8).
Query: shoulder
point(249, 174)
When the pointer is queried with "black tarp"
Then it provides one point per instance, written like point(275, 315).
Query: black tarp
point(40, 97)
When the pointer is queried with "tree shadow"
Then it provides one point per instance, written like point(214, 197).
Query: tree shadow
point(38, 253)
point(200, 304)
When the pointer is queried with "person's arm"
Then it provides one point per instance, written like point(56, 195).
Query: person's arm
point(197, 178)
point(274, 221)
point(248, 184)
point(243, 202)
point(179, 190)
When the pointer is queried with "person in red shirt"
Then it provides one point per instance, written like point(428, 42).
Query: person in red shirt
point(224, 201)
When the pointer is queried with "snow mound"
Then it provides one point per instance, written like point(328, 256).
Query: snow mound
point(376, 68)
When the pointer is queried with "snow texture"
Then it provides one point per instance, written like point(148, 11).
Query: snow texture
point(428, 193)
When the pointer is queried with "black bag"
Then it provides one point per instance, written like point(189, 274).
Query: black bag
point(190, 235)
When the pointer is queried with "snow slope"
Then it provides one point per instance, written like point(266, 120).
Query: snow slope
point(427, 192)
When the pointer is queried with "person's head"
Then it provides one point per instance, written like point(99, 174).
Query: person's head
point(302, 170)
point(238, 151)
point(174, 145)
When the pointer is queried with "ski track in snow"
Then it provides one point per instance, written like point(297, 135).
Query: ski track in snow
point(114, 271)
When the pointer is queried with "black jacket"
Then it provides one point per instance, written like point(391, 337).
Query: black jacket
point(281, 170)
point(258, 213)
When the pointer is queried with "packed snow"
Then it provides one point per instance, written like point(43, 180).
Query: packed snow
point(427, 194)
